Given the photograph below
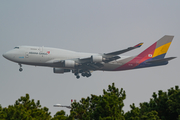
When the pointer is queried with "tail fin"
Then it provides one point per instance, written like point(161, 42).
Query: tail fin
point(157, 50)
point(152, 56)
point(162, 46)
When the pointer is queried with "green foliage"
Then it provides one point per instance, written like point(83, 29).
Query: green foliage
point(60, 115)
point(25, 109)
point(108, 106)
point(103, 107)
point(167, 104)
point(164, 106)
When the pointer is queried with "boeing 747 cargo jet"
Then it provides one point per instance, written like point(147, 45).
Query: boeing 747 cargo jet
point(84, 63)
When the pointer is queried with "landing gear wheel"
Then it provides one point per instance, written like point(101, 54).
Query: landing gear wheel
point(88, 75)
point(83, 74)
point(20, 69)
point(77, 76)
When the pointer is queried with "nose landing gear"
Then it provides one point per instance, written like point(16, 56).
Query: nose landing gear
point(20, 69)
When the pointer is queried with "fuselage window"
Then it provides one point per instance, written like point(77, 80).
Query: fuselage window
point(16, 48)
point(33, 49)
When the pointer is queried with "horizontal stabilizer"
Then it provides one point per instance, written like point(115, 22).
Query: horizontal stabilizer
point(161, 60)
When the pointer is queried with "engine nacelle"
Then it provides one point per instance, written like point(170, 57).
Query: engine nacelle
point(69, 63)
point(96, 58)
point(60, 70)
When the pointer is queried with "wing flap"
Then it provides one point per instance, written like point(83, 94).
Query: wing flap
point(91, 66)
point(111, 59)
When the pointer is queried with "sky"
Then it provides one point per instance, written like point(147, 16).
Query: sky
point(86, 26)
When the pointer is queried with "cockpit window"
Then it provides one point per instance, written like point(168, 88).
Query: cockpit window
point(16, 48)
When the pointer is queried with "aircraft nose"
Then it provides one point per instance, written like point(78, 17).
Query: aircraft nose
point(8, 55)
point(4, 55)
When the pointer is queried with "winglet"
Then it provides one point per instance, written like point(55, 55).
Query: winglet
point(138, 45)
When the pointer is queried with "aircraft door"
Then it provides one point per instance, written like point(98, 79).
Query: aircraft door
point(26, 55)
point(41, 51)
point(42, 54)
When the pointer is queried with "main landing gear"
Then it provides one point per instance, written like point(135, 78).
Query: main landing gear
point(86, 74)
point(20, 69)
point(77, 75)
point(83, 73)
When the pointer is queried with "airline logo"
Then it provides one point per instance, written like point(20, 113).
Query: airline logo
point(48, 52)
point(149, 55)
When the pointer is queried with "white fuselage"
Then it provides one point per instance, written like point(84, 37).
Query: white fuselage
point(46, 56)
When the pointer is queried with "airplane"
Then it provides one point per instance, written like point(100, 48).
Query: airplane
point(63, 61)
point(59, 105)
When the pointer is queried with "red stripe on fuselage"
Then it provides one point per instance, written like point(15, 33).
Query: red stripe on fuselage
point(145, 55)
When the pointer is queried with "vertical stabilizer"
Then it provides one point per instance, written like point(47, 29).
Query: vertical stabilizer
point(157, 50)
point(152, 56)
point(162, 46)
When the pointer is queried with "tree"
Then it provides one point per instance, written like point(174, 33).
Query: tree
point(164, 106)
point(108, 106)
point(60, 115)
point(139, 114)
point(25, 109)
point(103, 107)
point(167, 104)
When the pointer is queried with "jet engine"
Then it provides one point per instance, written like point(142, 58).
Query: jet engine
point(69, 63)
point(60, 70)
point(96, 58)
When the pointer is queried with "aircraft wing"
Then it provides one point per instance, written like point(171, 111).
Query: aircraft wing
point(94, 62)
point(91, 66)
point(89, 63)
point(82, 63)
point(122, 51)
point(108, 57)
